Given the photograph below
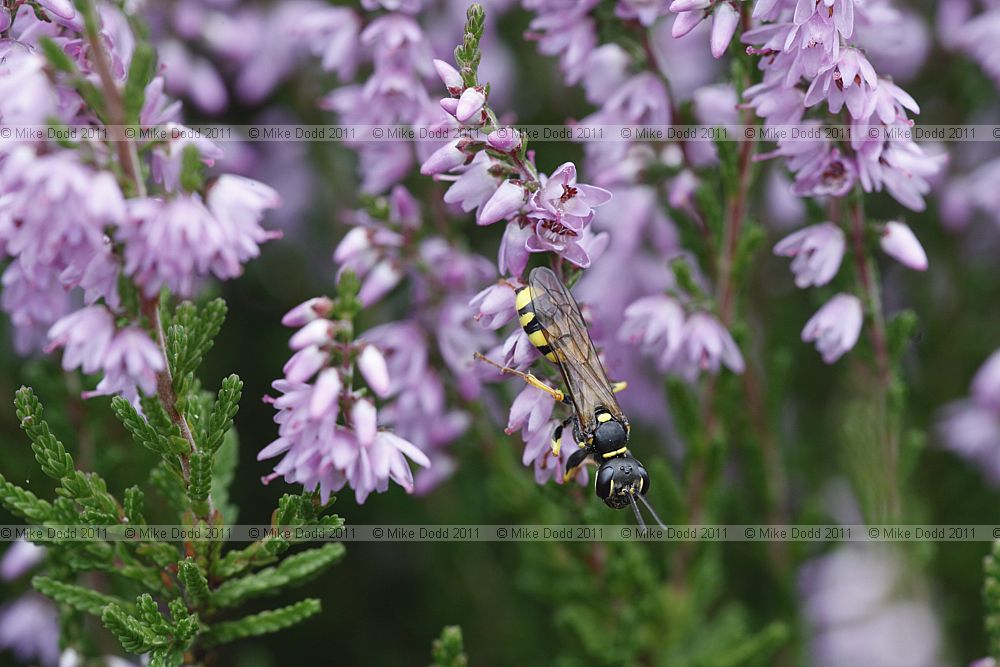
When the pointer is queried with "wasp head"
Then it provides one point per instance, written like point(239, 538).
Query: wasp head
point(619, 479)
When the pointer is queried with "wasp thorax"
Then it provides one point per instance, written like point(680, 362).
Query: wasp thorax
point(619, 480)
point(609, 436)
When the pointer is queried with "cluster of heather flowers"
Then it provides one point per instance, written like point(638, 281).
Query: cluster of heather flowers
point(77, 236)
point(817, 252)
point(328, 429)
point(395, 45)
point(810, 61)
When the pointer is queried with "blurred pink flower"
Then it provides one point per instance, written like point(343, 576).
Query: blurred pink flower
point(835, 327)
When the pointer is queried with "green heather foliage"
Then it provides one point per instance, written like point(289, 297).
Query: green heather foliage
point(190, 432)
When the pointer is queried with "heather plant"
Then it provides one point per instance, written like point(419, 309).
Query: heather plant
point(804, 327)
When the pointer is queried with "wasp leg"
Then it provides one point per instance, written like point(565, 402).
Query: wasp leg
point(557, 435)
point(619, 386)
point(574, 460)
point(527, 377)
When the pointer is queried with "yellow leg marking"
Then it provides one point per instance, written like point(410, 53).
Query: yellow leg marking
point(556, 446)
point(527, 377)
point(619, 386)
point(570, 474)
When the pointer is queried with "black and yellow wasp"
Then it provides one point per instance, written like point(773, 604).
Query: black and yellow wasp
point(550, 316)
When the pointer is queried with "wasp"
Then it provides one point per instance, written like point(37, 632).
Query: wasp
point(551, 318)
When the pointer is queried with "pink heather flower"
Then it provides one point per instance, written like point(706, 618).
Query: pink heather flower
point(494, 306)
point(505, 139)
point(986, 383)
point(27, 97)
point(530, 412)
point(85, 335)
point(449, 76)
point(61, 8)
point(656, 324)
point(167, 158)
point(972, 431)
point(470, 104)
point(899, 242)
point(174, 242)
point(19, 559)
point(706, 345)
point(851, 81)
point(513, 256)
point(130, 365)
point(685, 22)
point(505, 202)
point(474, 186)
point(318, 332)
point(518, 352)
point(4, 19)
point(321, 454)
point(835, 327)
point(445, 159)
point(817, 251)
point(724, 23)
point(842, 13)
point(380, 280)
point(565, 201)
point(646, 11)
point(332, 33)
point(239, 204)
point(29, 628)
point(305, 363)
point(372, 365)
point(308, 311)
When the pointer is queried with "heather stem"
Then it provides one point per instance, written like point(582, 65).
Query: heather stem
point(868, 279)
point(165, 384)
point(127, 153)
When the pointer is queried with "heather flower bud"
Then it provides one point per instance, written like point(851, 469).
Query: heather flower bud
point(470, 103)
point(304, 364)
point(372, 365)
point(308, 311)
point(899, 242)
point(724, 24)
point(685, 23)
point(506, 201)
point(449, 76)
point(317, 332)
point(325, 391)
point(450, 105)
point(689, 5)
point(505, 139)
point(444, 159)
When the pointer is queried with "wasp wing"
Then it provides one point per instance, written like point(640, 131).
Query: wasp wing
point(566, 331)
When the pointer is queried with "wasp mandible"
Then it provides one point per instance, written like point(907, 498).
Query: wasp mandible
point(551, 318)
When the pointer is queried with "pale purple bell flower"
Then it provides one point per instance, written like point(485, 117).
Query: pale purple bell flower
point(835, 327)
point(817, 252)
point(725, 20)
point(130, 365)
point(508, 199)
point(530, 412)
point(494, 306)
point(85, 336)
point(19, 559)
point(29, 628)
point(706, 346)
point(656, 325)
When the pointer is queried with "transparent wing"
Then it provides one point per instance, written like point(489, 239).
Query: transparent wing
point(566, 331)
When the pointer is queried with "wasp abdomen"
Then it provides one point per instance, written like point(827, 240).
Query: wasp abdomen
point(531, 325)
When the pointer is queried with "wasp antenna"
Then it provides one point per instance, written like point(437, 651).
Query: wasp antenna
point(635, 508)
point(652, 512)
